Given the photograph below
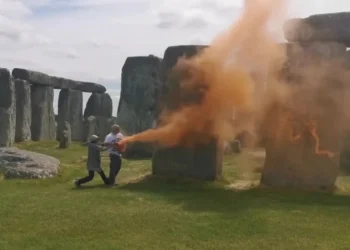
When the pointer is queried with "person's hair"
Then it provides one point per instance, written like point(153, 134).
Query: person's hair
point(115, 127)
point(95, 141)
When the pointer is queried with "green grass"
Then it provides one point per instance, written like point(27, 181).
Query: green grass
point(159, 214)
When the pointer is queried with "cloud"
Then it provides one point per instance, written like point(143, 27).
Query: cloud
point(14, 9)
point(90, 40)
point(195, 14)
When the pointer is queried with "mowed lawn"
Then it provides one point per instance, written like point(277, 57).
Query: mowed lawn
point(149, 213)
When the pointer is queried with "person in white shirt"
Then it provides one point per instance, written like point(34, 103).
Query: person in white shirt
point(115, 154)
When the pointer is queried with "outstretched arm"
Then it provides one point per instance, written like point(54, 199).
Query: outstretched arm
point(101, 148)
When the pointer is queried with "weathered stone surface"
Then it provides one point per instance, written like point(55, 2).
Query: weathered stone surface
point(65, 135)
point(203, 162)
point(304, 134)
point(63, 83)
point(91, 87)
point(98, 125)
point(22, 164)
point(170, 93)
point(138, 150)
point(307, 57)
point(7, 109)
point(99, 105)
point(232, 147)
point(76, 114)
point(23, 110)
point(33, 77)
point(322, 27)
point(39, 78)
point(70, 108)
point(89, 127)
point(138, 101)
point(43, 125)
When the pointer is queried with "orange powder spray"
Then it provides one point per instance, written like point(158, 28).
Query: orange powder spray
point(224, 70)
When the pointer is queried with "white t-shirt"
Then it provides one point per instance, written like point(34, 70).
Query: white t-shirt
point(111, 138)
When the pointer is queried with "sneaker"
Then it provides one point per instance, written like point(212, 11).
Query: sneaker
point(111, 185)
point(76, 183)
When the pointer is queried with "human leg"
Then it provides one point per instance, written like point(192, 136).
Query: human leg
point(103, 176)
point(86, 179)
point(114, 168)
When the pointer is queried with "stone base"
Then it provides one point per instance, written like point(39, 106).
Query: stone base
point(293, 159)
point(296, 166)
point(201, 163)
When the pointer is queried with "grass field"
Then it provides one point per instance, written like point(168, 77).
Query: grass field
point(148, 213)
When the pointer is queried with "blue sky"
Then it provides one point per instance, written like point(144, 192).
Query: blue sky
point(90, 39)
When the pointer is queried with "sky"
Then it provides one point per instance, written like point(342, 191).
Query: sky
point(91, 39)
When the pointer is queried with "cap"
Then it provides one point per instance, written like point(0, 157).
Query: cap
point(94, 138)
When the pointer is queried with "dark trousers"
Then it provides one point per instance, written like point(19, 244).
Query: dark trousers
point(114, 167)
point(91, 175)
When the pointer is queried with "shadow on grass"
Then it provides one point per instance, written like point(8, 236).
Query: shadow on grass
point(206, 197)
point(87, 187)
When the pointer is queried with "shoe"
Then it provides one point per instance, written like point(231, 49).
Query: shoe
point(76, 183)
point(111, 185)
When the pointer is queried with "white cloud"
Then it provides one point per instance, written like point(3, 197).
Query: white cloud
point(14, 8)
point(90, 40)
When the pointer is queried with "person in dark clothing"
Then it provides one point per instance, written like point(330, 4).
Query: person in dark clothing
point(93, 162)
point(115, 153)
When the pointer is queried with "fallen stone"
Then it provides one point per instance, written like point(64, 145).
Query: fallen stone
point(99, 105)
point(7, 109)
point(138, 101)
point(65, 136)
point(43, 125)
point(203, 162)
point(33, 77)
point(330, 27)
point(23, 110)
point(22, 164)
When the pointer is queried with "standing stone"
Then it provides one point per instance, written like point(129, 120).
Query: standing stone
point(203, 162)
point(322, 27)
point(99, 104)
point(89, 127)
point(304, 132)
point(138, 100)
point(76, 114)
point(23, 110)
point(98, 125)
point(31, 76)
point(63, 113)
point(293, 162)
point(301, 58)
point(70, 108)
point(43, 125)
point(7, 109)
point(65, 136)
point(232, 147)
